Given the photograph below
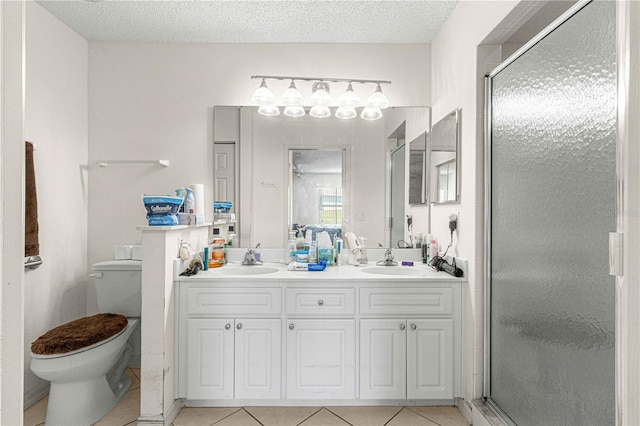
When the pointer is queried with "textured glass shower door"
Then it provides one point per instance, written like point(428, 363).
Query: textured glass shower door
point(552, 205)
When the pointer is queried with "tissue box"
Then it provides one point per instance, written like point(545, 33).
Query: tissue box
point(190, 219)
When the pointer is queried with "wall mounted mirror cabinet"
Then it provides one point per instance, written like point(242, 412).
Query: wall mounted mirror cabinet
point(418, 170)
point(444, 168)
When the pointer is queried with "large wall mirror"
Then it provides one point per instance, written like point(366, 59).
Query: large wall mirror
point(322, 173)
point(444, 168)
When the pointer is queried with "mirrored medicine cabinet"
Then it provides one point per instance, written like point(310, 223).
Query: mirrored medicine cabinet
point(444, 164)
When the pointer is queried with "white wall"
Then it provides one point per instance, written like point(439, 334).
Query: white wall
point(457, 83)
point(154, 101)
point(56, 122)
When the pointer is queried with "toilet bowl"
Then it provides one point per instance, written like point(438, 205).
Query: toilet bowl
point(89, 381)
point(86, 383)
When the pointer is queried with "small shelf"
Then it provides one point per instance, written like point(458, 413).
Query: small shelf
point(105, 163)
point(224, 222)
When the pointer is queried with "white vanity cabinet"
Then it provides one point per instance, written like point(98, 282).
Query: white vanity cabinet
point(321, 358)
point(412, 356)
point(233, 358)
point(229, 343)
point(327, 338)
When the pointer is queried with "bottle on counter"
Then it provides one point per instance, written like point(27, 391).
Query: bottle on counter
point(433, 247)
point(290, 251)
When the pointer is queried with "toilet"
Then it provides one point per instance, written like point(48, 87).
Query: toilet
point(88, 382)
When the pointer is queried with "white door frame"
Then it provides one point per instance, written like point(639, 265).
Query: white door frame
point(12, 157)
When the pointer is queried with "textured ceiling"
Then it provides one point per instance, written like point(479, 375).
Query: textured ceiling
point(241, 21)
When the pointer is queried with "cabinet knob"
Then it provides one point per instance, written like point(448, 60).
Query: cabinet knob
point(320, 302)
point(239, 326)
point(402, 327)
point(291, 326)
point(413, 326)
point(227, 326)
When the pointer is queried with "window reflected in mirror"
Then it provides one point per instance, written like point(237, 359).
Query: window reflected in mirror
point(444, 165)
point(447, 181)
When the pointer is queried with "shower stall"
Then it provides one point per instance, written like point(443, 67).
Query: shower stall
point(550, 206)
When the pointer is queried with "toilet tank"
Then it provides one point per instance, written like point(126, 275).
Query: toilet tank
point(119, 286)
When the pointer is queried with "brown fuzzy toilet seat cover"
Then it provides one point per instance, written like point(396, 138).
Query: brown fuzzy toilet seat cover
point(79, 334)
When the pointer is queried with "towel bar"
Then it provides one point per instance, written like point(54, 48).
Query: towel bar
point(32, 262)
point(105, 163)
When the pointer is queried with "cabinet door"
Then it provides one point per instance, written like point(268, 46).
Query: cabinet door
point(383, 362)
point(430, 358)
point(321, 358)
point(258, 349)
point(210, 359)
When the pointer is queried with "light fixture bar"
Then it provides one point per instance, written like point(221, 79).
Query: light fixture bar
point(334, 80)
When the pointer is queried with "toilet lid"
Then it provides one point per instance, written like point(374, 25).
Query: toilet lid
point(78, 334)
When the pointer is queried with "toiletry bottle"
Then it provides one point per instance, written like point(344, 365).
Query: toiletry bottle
point(363, 251)
point(307, 239)
point(205, 263)
point(425, 249)
point(313, 252)
point(290, 251)
point(433, 249)
point(339, 243)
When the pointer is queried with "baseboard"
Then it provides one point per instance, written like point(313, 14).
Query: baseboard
point(167, 420)
point(36, 394)
point(465, 409)
point(173, 412)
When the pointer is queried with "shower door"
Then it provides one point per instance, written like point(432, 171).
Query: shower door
point(551, 176)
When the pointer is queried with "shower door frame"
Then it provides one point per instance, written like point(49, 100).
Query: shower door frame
point(620, 143)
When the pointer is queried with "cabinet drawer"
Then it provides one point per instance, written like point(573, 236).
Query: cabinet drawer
point(234, 301)
point(324, 301)
point(406, 301)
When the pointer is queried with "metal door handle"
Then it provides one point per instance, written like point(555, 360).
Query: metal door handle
point(227, 326)
point(402, 327)
point(320, 302)
point(291, 326)
point(239, 326)
point(413, 326)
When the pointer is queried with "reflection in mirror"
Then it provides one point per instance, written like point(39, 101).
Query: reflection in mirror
point(316, 182)
point(444, 164)
point(264, 172)
point(417, 169)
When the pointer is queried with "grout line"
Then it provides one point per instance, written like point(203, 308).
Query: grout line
point(394, 416)
point(413, 411)
point(314, 413)
point(247, 411)
point(231, 414)
point(338, 416)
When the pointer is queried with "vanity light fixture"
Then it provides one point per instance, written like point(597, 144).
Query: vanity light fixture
point(320, 100)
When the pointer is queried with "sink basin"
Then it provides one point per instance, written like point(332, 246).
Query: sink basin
point(247, 270)
point(392, 270)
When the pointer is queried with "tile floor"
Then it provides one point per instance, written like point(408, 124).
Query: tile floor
point(127, 412)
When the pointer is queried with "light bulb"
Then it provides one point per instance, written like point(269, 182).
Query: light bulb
point(292, 96)
point(349, 98)
point(320, 96)
point(270, 110)
point(321, 111)
point(378, 99)
point(346, 113)
point(371, 113)
point(294, 111)
point(263, 95)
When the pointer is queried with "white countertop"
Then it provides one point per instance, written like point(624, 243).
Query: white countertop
point(235, 272)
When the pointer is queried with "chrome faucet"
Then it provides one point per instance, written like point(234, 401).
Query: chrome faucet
point(388, 259)
point(250, 258)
